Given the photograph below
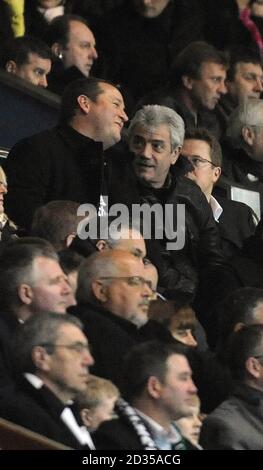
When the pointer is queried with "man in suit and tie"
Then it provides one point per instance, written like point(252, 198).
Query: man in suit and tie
point(53, 358)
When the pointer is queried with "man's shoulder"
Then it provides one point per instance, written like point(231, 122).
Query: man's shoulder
point(234, 206)
point(116, 434)
point(42, 140)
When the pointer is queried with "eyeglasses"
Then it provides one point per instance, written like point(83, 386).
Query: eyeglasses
point(199, 162)
point(137, 281)
point(77, 347)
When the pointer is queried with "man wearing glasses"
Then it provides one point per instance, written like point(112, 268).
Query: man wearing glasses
point(54, 357)
point(235, 219)
point(113, 297)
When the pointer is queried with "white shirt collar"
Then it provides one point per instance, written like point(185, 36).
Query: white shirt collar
point(216, 208)
point(34, 380)
point(172, 436)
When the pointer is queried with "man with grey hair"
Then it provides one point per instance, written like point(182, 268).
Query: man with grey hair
point(155, 137)
point(243, 162)
point(113, 298)
point(31, 282)
point(54, 357)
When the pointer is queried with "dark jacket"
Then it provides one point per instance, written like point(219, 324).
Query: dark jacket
point(9, 324)
point(237, 424)
point(236, 224)
point(139, 50)
point(38, 410)
point(110, 337)
point(248, 263)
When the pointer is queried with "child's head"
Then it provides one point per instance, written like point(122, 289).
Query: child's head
point(190, 426)
point(97, 403)
point(177, 316)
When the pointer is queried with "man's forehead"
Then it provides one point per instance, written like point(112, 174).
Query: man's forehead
point(213, 67)
point(111, 90)
point(160, 132)
point(249, 67)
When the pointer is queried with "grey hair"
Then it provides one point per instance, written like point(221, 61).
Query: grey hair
point(97, 265)
point(39, 330)
point(17, 266)
point(247, 114)
point(154, 116)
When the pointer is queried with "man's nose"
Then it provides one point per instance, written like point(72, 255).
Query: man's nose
point(259, 84)
point(124, 116)
point(146, 151)
point(222, 88)
point(94, 53)
point(43, 81)
point(88, 358)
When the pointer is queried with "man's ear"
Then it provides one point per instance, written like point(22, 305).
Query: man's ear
point(253, 366)
point(217, 173)
point(25, 294)
point(40, 358)
point(102, 245)
point(187, 82)
point(99, 290)
point(175, 154)
point(69, 239)
point(154, 387)
point(86, 417)
point(11, 67)
point(248, 135)
point(84, 103)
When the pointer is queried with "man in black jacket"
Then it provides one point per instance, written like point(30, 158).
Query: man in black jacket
point(67, 162)
point(156, 136)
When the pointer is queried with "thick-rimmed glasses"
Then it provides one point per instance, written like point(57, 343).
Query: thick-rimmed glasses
point(131, 280)
point(199, 162)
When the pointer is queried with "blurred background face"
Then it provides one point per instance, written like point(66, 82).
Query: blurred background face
point(80, 50)
point(190, 426)
point(207, 89)
point(34, 71)
point(150, 8)
point(247, 82)
point(3, 189)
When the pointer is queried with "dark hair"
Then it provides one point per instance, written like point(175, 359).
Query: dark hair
point(59, 28)
point(146, 360)
point(39, 330)
point(190, 60)
point(55, 221)
point(163, 311)
point(69, 260)
point(246, 342)
point(206, 136)
point(83, 86)
point(237, 54)
point(19, 49)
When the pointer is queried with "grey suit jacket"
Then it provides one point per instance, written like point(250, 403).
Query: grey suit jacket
point(237, 424)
